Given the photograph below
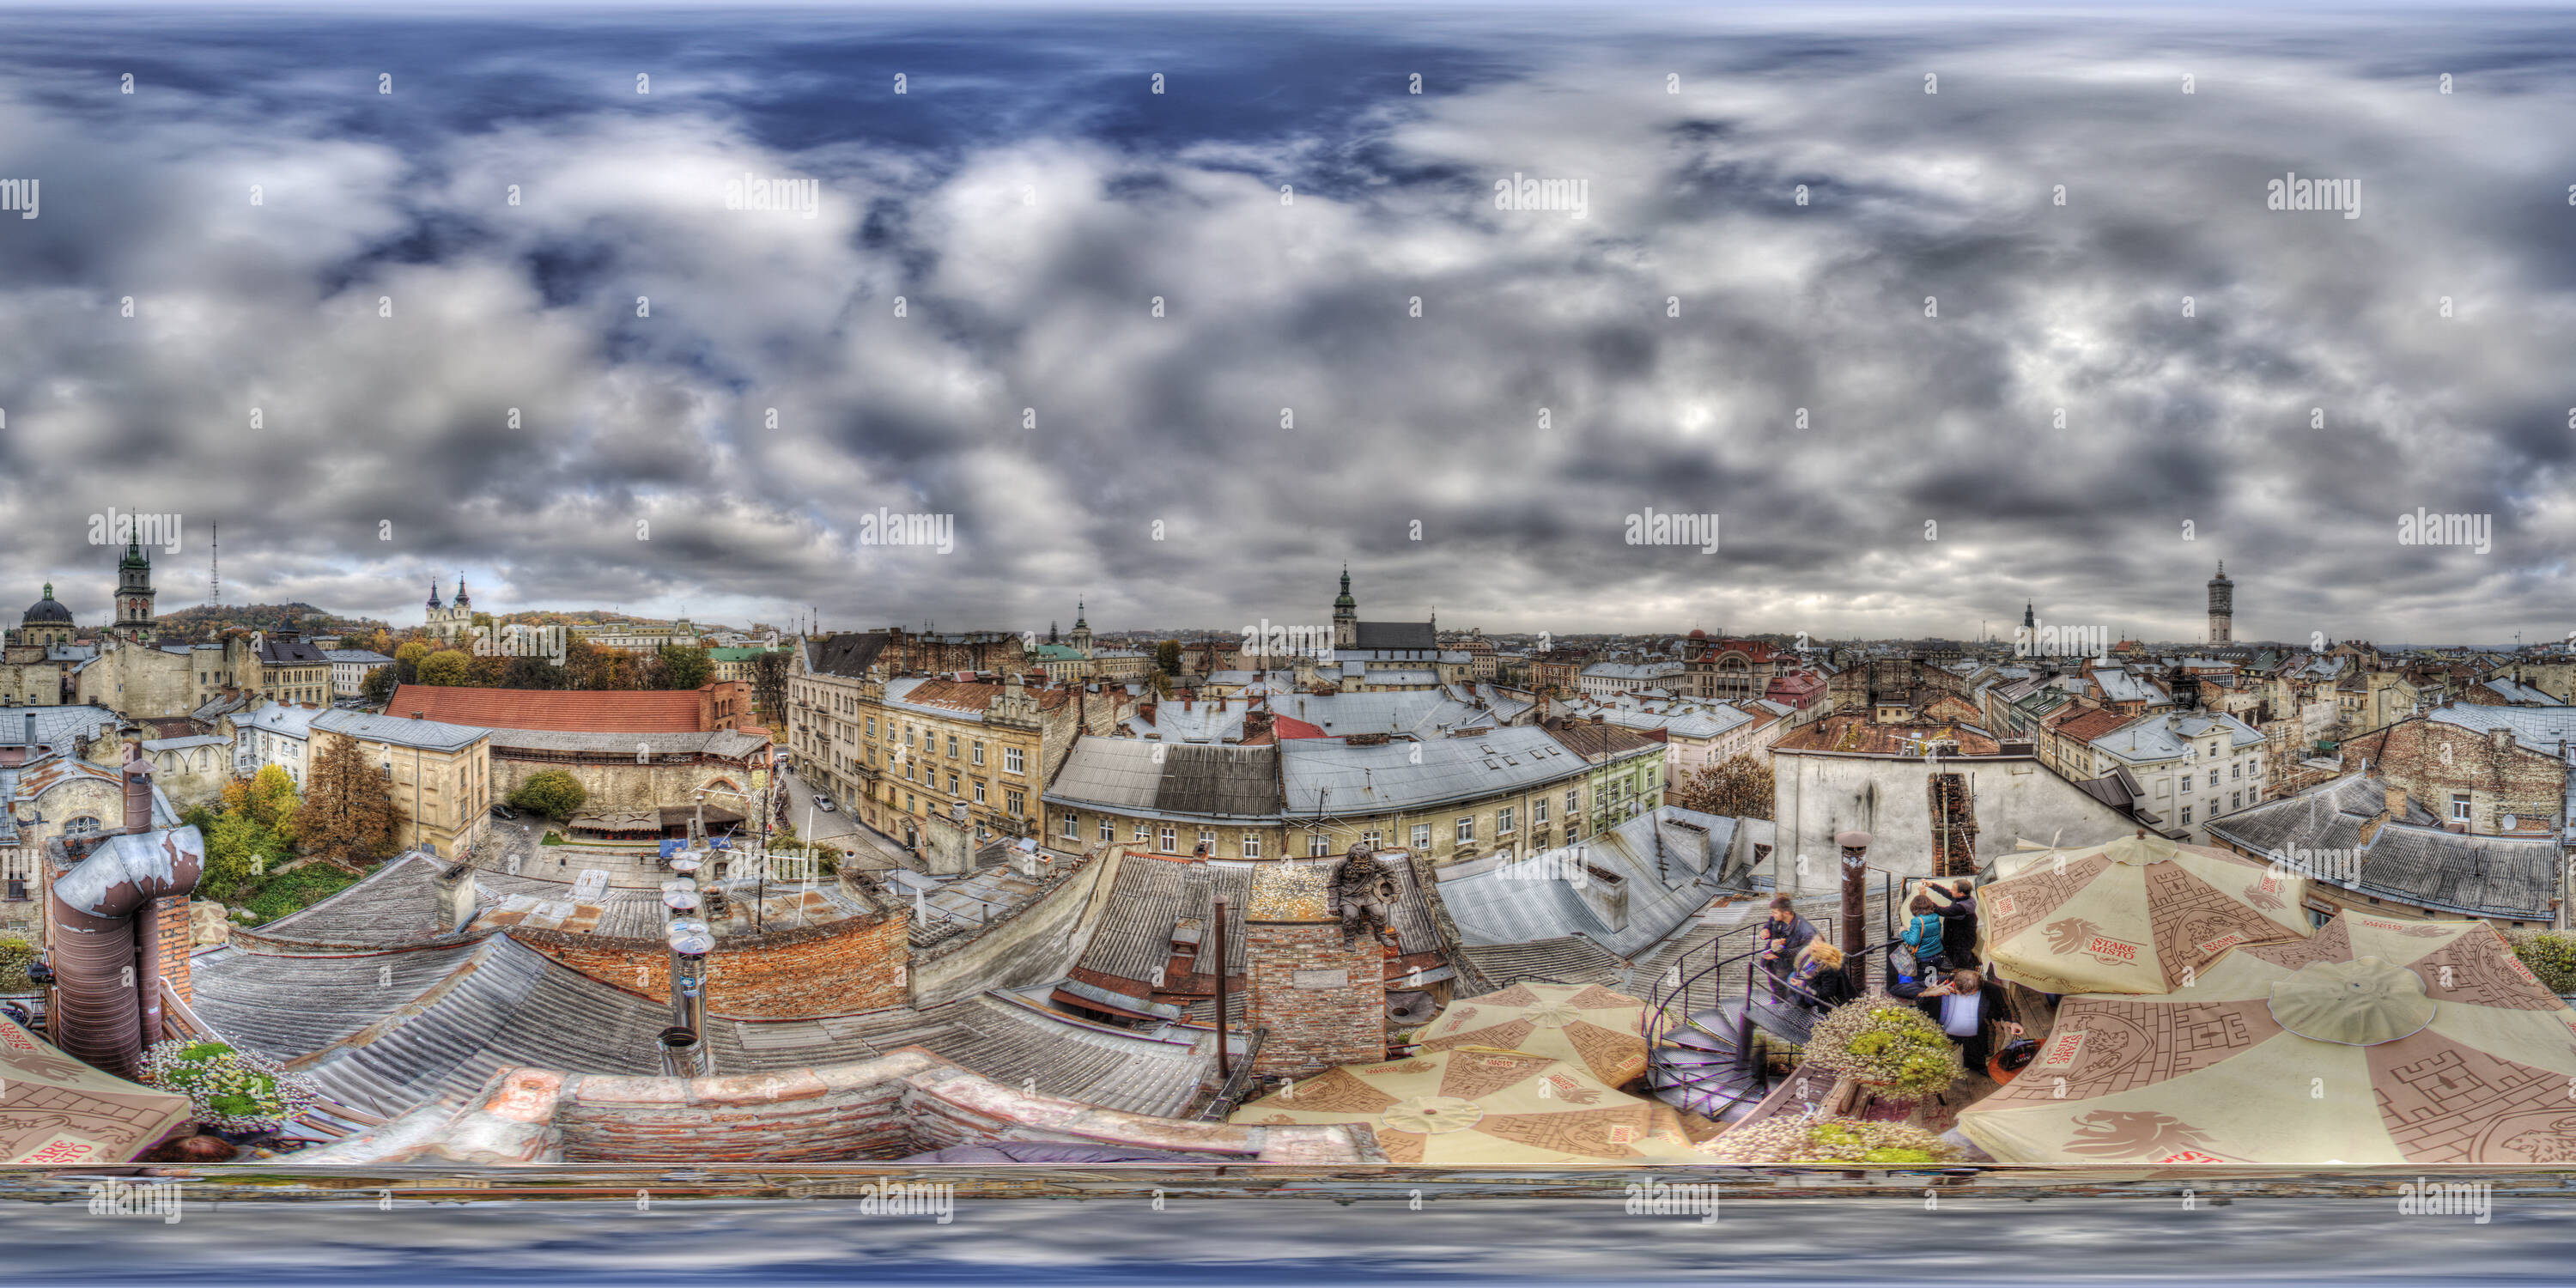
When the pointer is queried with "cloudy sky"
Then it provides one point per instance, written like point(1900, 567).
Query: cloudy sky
point(1923, 396)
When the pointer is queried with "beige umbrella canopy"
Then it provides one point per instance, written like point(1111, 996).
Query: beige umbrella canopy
point(1471, 1105)
point(55, 1109)
point(2377, 1041)
point(2139, 915)
point(1582, 1024)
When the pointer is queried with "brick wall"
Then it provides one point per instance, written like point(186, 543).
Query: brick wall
point(857, 964)
point(2433, 761)
point(1314, 1024)
point(167, 919)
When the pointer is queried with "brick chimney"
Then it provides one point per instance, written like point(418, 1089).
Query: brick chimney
point(1320, 1003)
point(2396, 800)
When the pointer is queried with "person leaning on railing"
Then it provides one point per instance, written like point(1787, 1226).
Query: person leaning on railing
point(1783, 934)
point(1818, 978)
point(1970, 1008)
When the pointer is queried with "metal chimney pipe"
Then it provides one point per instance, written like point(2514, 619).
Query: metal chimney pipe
point(1855, 931)
point(1224, 1062)
point(690, 942)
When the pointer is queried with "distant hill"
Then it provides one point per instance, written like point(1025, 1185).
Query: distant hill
point(207, 621)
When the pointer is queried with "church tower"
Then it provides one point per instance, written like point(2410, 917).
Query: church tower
point(2222, 607)
point(1081, 636)
point(134, 594)
point(1346, 615)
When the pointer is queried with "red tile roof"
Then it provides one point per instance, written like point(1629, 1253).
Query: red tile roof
point(575, 710)
point(2089, 725)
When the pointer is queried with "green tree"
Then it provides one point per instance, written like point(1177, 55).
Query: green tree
point(1167, 657)
point(1739, 787)
point(236, 851)
point(407, 661)
point(15, 956)
point(378, 687)
point(348, 810)
point(551, 792)
point(679, 666)
point(2552, 957)
point(448, 667)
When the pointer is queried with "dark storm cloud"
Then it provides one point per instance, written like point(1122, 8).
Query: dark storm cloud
point(1029, 199)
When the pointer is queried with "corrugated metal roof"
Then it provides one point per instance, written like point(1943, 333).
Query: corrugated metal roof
point(1322, 774)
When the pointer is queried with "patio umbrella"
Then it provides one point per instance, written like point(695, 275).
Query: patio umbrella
point(1582, 1024)
point(55, 1109)
point(2377, 1041)
point(1473, 1105)
point(2138, 915)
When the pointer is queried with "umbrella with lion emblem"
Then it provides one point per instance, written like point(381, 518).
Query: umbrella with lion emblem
point(1469, 1105)
point(2377, 1041)
point(2139, 915)
point(1582, 1024)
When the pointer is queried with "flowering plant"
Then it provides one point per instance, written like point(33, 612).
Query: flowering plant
point(232, 1090)
point(1793, 1138)
point(1892, 1046)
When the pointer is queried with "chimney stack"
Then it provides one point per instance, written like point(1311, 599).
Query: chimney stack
point(455, 893)
point(138, 789)
point(2397, 804)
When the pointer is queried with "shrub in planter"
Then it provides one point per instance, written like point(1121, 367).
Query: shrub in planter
point(1887, 1044)
point(232, 1090)
point(1794, 1138)
point(2552, 957)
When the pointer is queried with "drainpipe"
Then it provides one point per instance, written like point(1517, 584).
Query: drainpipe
point(1224, 1062)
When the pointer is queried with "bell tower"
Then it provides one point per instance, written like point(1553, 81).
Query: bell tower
point(134, 593)
point(1346, 615)
point(2222, 607)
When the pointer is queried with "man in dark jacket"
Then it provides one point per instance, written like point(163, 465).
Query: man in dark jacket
point(1781, 935)
point(1957, 908)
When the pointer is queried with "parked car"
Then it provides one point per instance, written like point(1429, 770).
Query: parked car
point(504, 811)
point(823, 803)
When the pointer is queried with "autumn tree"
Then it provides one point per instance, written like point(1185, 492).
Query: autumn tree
point(447, 667)
point(407, 661)
point(348, 809)
point(679, 666)
point(267, 798)
point(769, 686)
point(378, 687)
point(1739, 787)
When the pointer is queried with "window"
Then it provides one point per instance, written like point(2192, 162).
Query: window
point(952, 746)
point(2459, 807)
point(908, 732)
point(2186, 784)
point(2213, 780)
point(978, 749)
point(979, 791)
point(1011, 760)
point(1144, 833)
point(1467, 829)
point(82, 826)
point(1503, 821)
point(1316, 846)
point(1538, 812)
point(2235, 800)
point(2186, 815)
point(1072, 828)
point(1422, 836)
point(1012, 802)
point(1369, 840)
point(872, 726)
point(1171, 837)
point(1573, 801)
point(1108, 830)
point(1252, 845)
point(1207, 840)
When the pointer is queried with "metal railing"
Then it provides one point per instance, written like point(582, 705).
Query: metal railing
point(1741, 1079)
